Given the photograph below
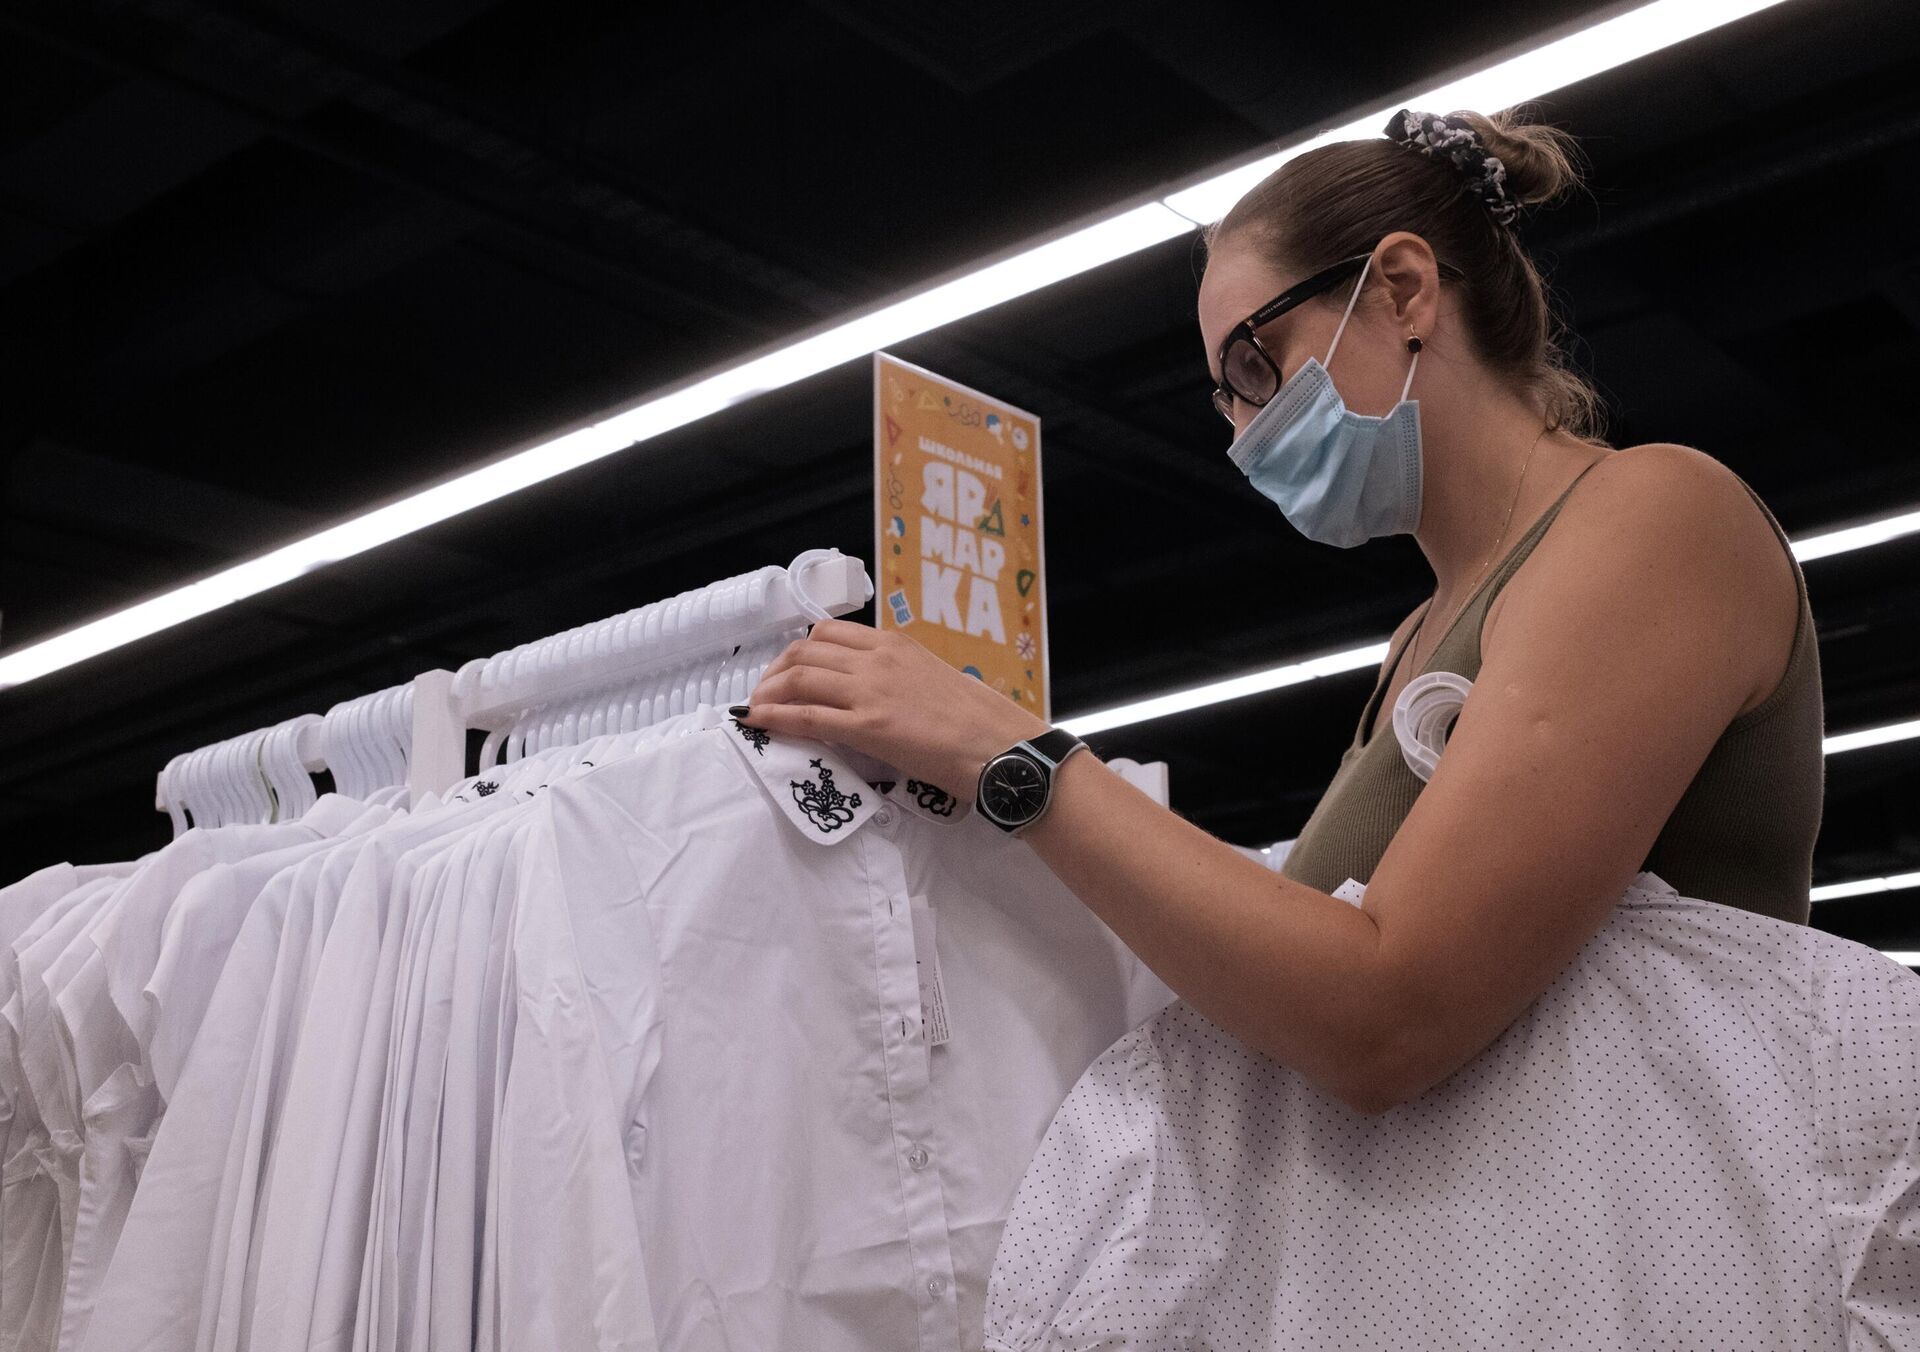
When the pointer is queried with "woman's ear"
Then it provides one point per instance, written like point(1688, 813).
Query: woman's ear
point(1411, 275)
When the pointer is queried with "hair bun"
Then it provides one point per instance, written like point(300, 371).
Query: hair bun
point(1541, 160)
point(1507, 162)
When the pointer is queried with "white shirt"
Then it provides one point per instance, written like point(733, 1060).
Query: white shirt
point(179, 1276)
point(446, 1287)
point(23, 902)
point(109, 1023)
point(312, 1235)
point(38, 1199)
point(21, 905)
point(388, 866)
point(426, 1167)
point(322, 1248)
point(1705, 1134)
point(807, 1170)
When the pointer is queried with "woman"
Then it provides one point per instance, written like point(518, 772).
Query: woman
point(1646, 686)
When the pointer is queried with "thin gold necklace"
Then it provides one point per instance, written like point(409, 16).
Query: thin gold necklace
point(1495, 553)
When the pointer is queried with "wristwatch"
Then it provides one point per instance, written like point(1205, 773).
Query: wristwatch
point(1016, 785)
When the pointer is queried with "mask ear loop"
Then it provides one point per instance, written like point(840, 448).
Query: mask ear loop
point(1352, 300)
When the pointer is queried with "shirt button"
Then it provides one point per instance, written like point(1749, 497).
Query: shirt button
point(918, 1157)
point(936, 1286)
point(884, 816)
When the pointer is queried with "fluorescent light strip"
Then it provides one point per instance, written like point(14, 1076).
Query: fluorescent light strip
point(1293, 673)
point(1856, 537)
point(1552, 65)
point(1853, 741)
point(1820, 546)
point(1236, 687)
point(1861, 887)
point(1823, 545)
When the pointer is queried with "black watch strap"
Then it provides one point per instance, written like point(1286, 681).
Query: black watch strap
point(1054, 744)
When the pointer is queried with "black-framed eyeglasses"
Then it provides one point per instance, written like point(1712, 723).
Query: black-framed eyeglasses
point(1247, 371)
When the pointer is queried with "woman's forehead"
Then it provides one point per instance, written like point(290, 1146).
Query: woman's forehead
point(1236, 283)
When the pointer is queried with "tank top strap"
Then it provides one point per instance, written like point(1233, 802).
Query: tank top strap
point(1522, 548)
point(1482, 598)
point(1385, 678)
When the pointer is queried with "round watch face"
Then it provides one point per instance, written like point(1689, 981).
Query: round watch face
point(1014, 789)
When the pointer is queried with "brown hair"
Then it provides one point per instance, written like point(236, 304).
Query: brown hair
point(1342, 199)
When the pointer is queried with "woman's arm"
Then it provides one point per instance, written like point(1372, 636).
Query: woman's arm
point(1639, 626)
point(1288, 969)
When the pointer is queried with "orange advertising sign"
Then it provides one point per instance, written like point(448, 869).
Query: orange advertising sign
point(959, 560)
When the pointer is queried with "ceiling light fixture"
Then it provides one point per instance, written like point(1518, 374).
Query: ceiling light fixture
point(1860, 887)
point(1554, 60)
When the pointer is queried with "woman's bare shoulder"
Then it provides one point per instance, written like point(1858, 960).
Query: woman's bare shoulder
point(1692, 511)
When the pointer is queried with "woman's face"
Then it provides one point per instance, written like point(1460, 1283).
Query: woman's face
point(1238, 280)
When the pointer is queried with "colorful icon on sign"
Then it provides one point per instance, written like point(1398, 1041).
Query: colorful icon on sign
point(902, 612)
point(1023, 580)
point(1019, 438)
point(995, 426)
point(973, 672)
point(992, 523)
point(898, 527)
point(1024, 644)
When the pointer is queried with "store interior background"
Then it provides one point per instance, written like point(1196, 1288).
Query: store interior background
point(264, 266)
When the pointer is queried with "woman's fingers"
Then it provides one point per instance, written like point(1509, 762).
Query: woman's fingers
point(827, 656)
point(806, 685)
point(847, 634)
point(803, 654)
point(817, 722)
point(782, 662)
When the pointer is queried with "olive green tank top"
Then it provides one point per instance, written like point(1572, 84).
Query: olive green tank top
point(1742, 834)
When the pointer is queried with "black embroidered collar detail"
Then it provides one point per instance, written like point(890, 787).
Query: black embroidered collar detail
point(485, 787)
point(757, 737)
point(825, 805)
point(931, 797)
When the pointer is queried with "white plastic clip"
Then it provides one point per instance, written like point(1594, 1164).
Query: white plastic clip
point(1423, 715)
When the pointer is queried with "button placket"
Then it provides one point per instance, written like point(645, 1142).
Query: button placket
point(910, 1097)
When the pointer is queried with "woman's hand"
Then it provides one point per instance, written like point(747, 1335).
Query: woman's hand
point(883, 694)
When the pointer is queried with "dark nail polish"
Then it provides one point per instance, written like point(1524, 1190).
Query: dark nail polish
point(738, 710)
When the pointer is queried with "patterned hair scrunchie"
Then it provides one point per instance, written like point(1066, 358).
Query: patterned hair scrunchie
point(1454, 140)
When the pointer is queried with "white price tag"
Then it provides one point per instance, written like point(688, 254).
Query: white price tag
point(933, 1000)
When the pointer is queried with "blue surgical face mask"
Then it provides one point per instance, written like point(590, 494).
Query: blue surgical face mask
point(1342, 478)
